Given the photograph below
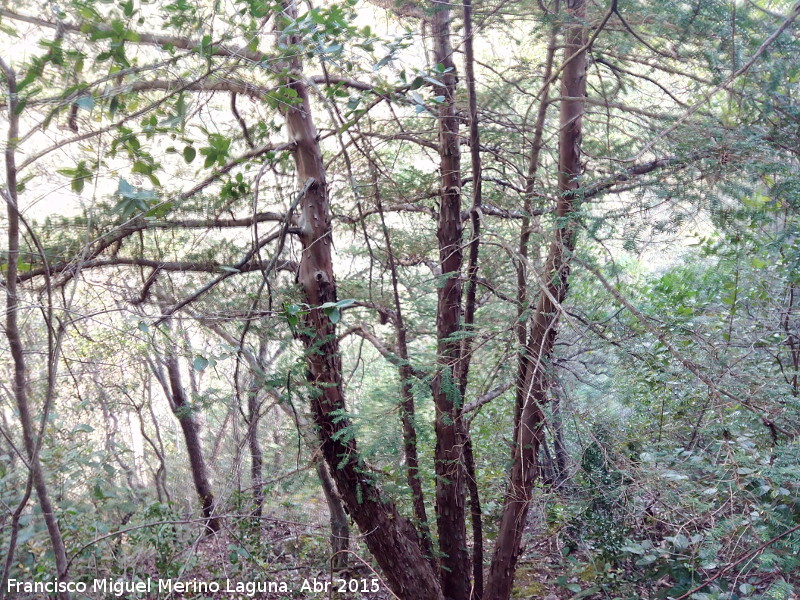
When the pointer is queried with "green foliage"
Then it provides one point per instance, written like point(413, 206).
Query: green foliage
point(79, 175)
point(216, 152)
point(164, 536)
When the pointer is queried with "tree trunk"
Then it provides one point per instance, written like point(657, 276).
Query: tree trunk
point(191, 435)
point(256, 455)
point(158, 449)
point(528, 224)
point(407, 408)
point(391, 538)
point(559, 446)
point(340, 526)
point(448, 458)
point(476, 519)
point(545, 321)
point(547, 467)
point(469, 309)
point(30, 438)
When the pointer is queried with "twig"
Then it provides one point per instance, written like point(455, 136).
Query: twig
point(743, 557)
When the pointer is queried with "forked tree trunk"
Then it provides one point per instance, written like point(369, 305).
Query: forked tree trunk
point(545, 321)
point(391, 538)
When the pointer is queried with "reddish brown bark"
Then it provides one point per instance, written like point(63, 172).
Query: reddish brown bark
point(545, 321)
point(476, 518)
point(391, 538)
point(526, 229)
point(448, 458)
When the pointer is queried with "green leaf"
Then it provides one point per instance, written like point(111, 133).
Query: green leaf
point(680, 541)
point(587, 592)
point(434, 81)
point(383, 62)
point(633, 548)
point(20, 106)
point(332, 49)
point(199, 363)
point(189, 153)
point(205, 45)
point(142, 167)
point(125, 189)
point(161, 209)
point(85, 102)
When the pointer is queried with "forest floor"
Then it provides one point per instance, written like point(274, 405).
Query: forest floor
point(289, 560)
